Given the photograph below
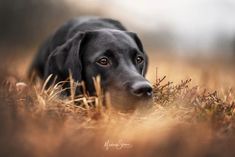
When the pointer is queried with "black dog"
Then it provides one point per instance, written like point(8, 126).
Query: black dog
point(91, 46)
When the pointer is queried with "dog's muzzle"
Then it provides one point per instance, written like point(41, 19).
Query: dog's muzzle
point(140, 89)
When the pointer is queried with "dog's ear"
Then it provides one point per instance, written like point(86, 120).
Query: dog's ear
point(66, 58)
point(135, 37)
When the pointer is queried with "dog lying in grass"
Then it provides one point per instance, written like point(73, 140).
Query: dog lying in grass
point(88, 47)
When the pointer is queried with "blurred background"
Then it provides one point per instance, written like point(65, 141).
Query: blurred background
point(184, 38)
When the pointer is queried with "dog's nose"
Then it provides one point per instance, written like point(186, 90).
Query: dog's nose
point(142, 89)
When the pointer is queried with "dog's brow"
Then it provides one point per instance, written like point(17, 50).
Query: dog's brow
point(108, 53)
point(135, 51)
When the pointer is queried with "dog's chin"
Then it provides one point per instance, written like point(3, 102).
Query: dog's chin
point(125, 102)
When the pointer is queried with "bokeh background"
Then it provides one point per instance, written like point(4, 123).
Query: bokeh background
point(184, 38)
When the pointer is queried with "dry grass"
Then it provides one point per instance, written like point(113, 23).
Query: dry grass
point(185, 120)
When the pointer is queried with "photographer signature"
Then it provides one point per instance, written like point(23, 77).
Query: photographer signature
point(120, 144)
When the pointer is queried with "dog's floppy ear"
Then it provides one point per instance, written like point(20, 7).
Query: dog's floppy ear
point(64, 58)
point(141, 48)
point(137, 41)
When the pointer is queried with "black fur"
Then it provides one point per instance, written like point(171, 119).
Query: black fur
point(78, 45)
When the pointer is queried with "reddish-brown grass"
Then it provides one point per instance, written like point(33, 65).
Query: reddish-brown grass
point(186, 120)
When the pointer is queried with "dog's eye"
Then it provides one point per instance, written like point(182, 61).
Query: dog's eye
point(104, 61)
point(139, 59)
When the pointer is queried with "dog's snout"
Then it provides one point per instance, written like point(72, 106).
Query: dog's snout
point(141, 89)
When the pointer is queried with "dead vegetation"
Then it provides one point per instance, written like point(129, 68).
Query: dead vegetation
point(185, 120)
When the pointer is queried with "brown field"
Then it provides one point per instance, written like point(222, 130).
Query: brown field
point(193, 114)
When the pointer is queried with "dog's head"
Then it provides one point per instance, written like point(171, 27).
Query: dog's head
point(117, 56)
